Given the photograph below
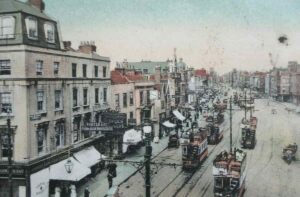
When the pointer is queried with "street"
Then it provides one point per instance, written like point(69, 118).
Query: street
point(267, 173)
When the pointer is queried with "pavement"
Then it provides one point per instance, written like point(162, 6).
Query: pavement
point(99, 184)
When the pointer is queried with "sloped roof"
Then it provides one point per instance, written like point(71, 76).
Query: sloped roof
point(118, 78)
point(8, 6)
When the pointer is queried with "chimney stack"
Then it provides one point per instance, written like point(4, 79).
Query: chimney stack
point(38, 4)
point(157, 75)
point(87, 47)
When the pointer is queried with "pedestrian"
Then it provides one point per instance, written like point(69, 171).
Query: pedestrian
point(200, 109)
point(110, 179)
point(87, 192)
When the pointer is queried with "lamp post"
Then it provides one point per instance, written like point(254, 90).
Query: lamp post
point(69, 166)
point(10, 183)
point(147, 131)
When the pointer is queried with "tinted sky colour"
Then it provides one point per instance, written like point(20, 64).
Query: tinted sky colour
point(224, 34)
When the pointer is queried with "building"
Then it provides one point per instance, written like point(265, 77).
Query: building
point(50, 92)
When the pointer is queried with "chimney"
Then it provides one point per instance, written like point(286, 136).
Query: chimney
point(38, 4)
point(87, 47)
point(157, 75)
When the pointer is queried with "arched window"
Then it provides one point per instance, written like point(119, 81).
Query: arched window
point(7, 27)
point(31, 27)
point(49, 32)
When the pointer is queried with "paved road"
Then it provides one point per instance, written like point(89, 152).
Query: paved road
point(267, 174)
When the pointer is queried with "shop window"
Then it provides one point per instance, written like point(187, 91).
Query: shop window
point(5, 67)
point(7, 27)
point(32, 27)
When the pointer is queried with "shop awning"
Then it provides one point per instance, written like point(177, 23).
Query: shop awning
point(168, 124)
point(88, 156)
point(178, 115)
point(132, 136)
point(79, 171)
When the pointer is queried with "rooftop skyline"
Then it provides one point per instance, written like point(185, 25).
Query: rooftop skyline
point(220, 34)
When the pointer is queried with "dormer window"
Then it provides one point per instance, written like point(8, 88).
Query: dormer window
point(7, 27)
point(32, 29)
point(49, 32)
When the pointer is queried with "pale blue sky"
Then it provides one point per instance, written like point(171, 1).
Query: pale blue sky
point(219, 33)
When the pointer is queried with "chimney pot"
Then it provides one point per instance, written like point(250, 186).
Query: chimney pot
point(37, 3)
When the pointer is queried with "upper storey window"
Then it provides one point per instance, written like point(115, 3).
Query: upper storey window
point(31, 26)
point(49, 32)
point(7, 27)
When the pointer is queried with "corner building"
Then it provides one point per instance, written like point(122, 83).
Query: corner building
point(49, 91)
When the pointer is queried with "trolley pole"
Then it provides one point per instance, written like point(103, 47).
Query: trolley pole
point(10, 185)
point(147, 165)
point(230, 113)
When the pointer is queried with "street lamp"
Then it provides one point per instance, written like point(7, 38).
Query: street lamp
point(69, 166)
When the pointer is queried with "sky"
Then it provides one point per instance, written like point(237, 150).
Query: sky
point(223, 34)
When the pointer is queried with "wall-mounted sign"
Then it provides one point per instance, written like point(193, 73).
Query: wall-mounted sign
point(35, 117)
point(114, 119)
point(95, 126)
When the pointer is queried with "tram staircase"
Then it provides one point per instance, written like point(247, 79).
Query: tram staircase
point(234, 183)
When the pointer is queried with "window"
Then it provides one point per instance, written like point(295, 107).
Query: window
point(5, 67)
point(7, 27)
point(4, 143)
point(96, 95)
point(5, 102)
point(49, 32)
point(104, 71)
point(39, 67)
point(85, 96)
point(141, 97)
point(58, 99)
point(131, 115)
point(84, 70)
point(60, 134)
point(55, 68)
point(42, 139)
point(104, 95)
point(74, 70)
point(75, 99)
point(96, 71)
point(131, 98)
point(124, 100)
point(117, 100)
point(40, 101)
point(32, 29)
point(145, 71)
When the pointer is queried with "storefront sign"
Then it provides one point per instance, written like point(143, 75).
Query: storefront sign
point(94, 126)
point(114, 119)
point(39, 183)
point(35, 117)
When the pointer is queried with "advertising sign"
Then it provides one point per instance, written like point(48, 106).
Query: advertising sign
point(114, 119)
point(39, 183)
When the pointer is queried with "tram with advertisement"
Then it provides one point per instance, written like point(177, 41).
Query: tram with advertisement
point(194, 151)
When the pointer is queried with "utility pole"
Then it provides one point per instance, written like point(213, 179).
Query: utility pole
point(10, 184)
point(230, 110)
point(147, 164)
point(251, 103)
point(245, 97)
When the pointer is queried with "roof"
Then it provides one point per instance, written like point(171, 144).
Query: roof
point(200, 73)
point(8, 6)
point(148, 65)
point(118, 78)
